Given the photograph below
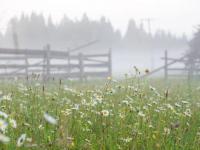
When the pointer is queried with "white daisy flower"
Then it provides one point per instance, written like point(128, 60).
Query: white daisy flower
point(188, 113)
point(3, 114)
point(76, 107)
point(125, 102)
point(105, 113)
point(50, 119)
point(185, 102)
point(4, 138)
point(141, 114)
point(152, 88)
point(21, 140)
point(3, 125)
point(13, 123)
point(7, 97)
point(29, 140)
point(127, 140)
point(177, 105)
point(166, 131)
point(170, 106)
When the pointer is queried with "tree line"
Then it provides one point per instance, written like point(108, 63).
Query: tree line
point(34, 31)
point(195, 42)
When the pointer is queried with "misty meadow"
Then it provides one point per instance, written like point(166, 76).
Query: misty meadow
point(99, 75)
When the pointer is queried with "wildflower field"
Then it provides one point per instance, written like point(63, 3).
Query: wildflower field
point(130, 114)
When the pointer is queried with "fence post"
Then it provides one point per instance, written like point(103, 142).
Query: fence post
point(26, 62)
point(166, 66)
point(43, 64)
point(48, 61)
point(69, 65)
point(81, 66)
point(191, 70)
point(110, 63)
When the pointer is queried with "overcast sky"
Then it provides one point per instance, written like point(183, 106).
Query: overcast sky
point(178, 16)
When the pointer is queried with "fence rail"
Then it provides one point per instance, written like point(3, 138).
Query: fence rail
point(179, 67)
point(52, 63)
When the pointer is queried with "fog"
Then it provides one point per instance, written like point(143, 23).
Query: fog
point(123, 63)
point(100, 74)
point(137, 32)
point(164, 14)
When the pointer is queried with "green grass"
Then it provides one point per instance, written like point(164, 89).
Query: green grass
point(108, 115)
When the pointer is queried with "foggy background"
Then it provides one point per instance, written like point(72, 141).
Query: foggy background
point(137, 31)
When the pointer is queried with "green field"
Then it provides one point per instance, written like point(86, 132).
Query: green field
point(100, 115)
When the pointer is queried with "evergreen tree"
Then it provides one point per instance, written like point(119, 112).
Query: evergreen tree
point(34, 32)
point(195, 42)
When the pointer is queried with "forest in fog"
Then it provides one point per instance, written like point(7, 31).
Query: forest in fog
point(35, 31)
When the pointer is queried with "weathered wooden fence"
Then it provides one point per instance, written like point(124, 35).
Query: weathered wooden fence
point(53, 64)
point(176, 67)
point(181, 67)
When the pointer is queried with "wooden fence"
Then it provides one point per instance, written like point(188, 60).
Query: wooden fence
point(178, 67)
point(175, 67)
point(53, 64)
